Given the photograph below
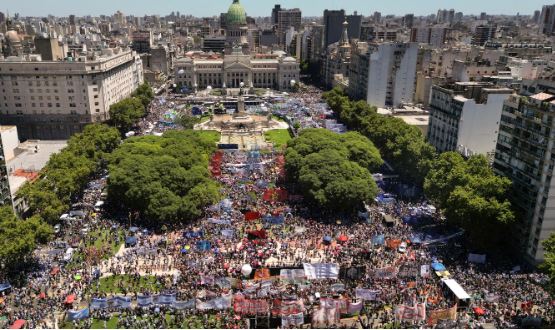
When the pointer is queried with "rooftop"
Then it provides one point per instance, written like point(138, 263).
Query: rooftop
point(33, 156)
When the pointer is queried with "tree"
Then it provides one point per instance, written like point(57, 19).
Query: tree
point(166, 178)
point(144, 93)
point(548, 265)
point(471, 197)
point(402, 145)
point(187, 121)
point(18, 238)
point(126, 112)
point(331, 170)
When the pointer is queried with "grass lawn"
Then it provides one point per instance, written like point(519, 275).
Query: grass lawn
point(104, 238)
point(278, 137)
point(112, 323)
point(212, 135)
point(127, 283)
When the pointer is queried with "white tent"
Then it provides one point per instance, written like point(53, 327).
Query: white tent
point(455, 287)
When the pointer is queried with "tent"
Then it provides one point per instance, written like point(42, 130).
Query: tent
point(438, 267)
point(4, 287)
point(70, 299)
point(130, 241)
point(18, 324)
point(479, 311)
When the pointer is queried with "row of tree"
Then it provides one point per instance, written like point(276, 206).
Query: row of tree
point(402, 146)
point(333, 171)
point(125, 113)
point(467, 191)
point(165, 179)
point(67, 172)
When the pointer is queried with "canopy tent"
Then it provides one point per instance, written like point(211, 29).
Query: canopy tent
point(70, 299)
point(455, 287)
point(479, 311)
point(4, 287)
point(343, 238)
point(18, 324)
point(438, 267)
point(130, 241)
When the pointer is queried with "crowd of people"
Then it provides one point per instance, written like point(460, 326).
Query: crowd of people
point(260, 255)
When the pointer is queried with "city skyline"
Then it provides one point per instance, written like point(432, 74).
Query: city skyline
point(263, 8)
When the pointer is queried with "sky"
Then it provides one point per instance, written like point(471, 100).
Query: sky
point(257, 8)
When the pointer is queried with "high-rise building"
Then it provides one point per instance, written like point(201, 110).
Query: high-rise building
point(547, 20)
point(536, 16)
point(5, 194)
point(377, 17)
point(333, 22)
point(525, 155)
point(434, 36)
point(408, 20)
point(483, 16)
point(464, 117)
point(142, 41)
point(48, 48)
point(287, 18)
point(275, 11)
point(55, 99)
point(483, 33)
point(391, 74)
point(333, 25)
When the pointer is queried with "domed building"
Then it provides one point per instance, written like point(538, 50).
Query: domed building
point(236, 27)
point(12, 42)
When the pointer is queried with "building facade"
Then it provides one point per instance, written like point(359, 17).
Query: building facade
point(465, 116)
point(200, 70)
point(525, 155)
point(55, 99)
point(391, 74)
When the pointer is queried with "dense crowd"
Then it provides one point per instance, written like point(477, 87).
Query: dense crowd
point(248, 254)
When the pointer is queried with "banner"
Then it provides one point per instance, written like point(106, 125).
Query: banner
point(491, 297)
point(425, 271)
point(219, 221)
point(354, 307)
point(228, 233)
point(287, 307)
point(292, 275)
point(384, 273)
point(99, 303)
point(144, 300)
point(244, 306)
point(78, 315)
point(326, 315)
point(121, 302)
point(411, 313)
point(261, 274)
point(292, 321)
point(165, 299)
point(408, 271)
point(442, 314)
point(320, 271)
point(181, 305)
point(367, 294)
point(477, 258)
point(220, 303)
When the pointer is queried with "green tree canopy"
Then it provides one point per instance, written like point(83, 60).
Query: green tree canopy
point(471, 197)
point(333, 170)
point(165, 178)
point(144, 93)
point(549, 260)
point(18, 238)
point(402, 145)
point(126, 112)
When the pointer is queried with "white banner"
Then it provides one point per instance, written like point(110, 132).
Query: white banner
point(319, 271)
point(367, 294)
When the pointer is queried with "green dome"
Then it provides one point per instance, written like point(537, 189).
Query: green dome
point(236, 14)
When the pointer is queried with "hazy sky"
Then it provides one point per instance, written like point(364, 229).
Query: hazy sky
point(263, 7)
